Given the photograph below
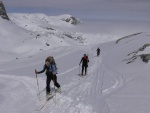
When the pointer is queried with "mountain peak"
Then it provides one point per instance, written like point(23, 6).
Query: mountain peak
point(3, 13)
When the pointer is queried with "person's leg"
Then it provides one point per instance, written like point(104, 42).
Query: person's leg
point(85, 70)
point(55, 81)
point(97, 53)
point(82, 69)
point(48, 84)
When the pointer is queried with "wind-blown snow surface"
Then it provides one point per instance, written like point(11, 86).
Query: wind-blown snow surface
point(27, 34)
point(111, 85)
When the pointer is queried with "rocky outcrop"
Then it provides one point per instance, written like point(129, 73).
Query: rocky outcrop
point(145, 57)
point(74, 37)
point(71, 19)
point(3, 13)
point(143, 47)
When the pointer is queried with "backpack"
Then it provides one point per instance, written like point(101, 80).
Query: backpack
point(52, 62)
point(50, 59)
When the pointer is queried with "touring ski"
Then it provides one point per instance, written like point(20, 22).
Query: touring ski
point(81, 75)
point(45, 102)
point(41, 91)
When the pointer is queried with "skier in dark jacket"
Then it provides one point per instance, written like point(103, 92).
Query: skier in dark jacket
point(98, 51)
point(84, 62)
point(51, 75)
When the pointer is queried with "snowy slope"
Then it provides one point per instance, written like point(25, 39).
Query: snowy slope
point(115, 83)
point(47, 27)
point(11, 37)
point(42, 25)
point(27, 34)
point(111, 86)
point(18, 41)
point(133, 96)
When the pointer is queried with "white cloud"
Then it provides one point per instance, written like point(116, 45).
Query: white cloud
point(81, 7)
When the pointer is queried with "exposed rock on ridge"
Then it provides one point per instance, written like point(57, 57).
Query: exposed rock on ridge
point(3, 13)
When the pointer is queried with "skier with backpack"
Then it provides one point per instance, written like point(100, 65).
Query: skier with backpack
point(84, 61)
point(51, 71)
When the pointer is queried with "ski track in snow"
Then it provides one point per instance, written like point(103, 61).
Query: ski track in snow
point(75, 95)
point(35, 63)
point(83, 90)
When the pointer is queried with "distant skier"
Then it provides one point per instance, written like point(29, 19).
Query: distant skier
point(98, 51)
point(51, 72)
point(84, 61)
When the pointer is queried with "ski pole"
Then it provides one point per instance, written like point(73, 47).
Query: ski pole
point(37, 84)
point(87, 70)
point(79, 69)
point(54, 89)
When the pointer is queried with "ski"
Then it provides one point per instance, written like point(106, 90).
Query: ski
point(42, 105)
point(41, 91)
point(47, 99)
point(81, 75)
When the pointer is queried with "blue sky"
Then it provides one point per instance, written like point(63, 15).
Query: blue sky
point(85, 9)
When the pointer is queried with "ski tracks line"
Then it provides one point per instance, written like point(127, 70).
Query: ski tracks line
point(38, 62)
point(119, 80)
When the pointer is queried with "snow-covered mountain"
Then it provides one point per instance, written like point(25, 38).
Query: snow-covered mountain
point(27, 34)
point(42, 26)
point(24, 37)
point(123, 60)
point(61, 26)
point(117, 81)
point(113, 83)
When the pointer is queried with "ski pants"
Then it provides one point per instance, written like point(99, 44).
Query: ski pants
point(84, 67)
point(50, 77)
point(98, 53)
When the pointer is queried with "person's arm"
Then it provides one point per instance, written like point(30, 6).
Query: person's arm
point(81, 61)
point(88, 59)
point(44, 68)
